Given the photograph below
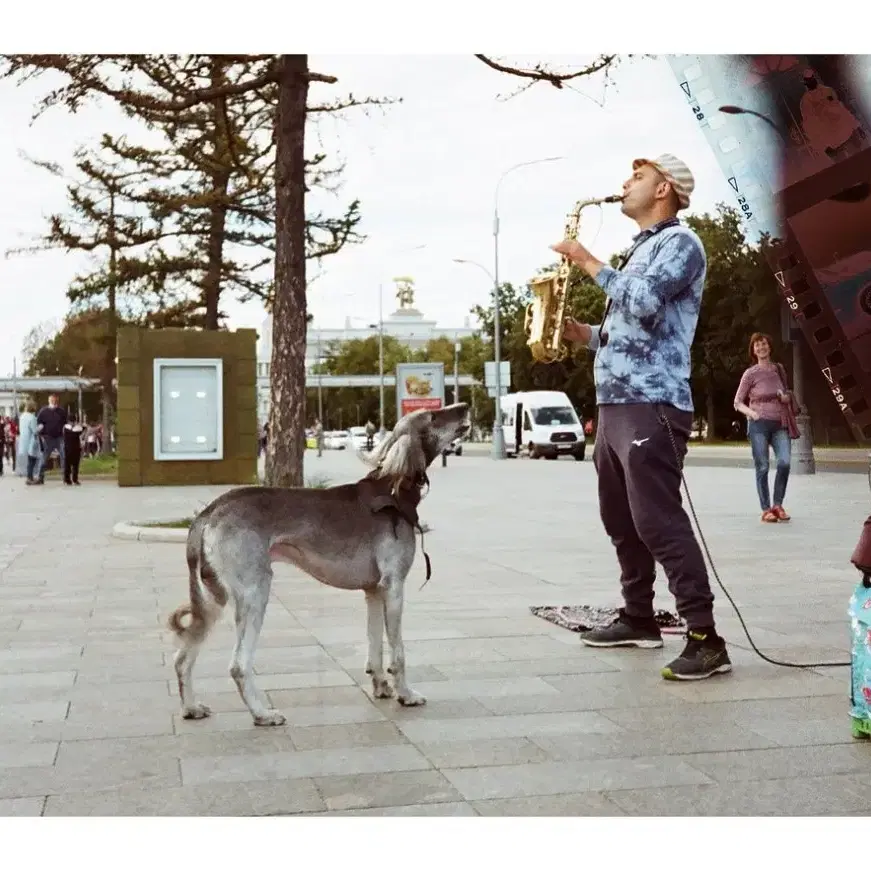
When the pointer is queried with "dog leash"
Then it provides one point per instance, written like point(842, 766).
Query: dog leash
point(416, 525)
point(413, 521)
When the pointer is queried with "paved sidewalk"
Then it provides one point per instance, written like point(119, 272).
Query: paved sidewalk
point(521, 719)
point(738, 456)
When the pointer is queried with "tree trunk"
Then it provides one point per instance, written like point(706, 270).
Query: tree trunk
point(112, 343)
point(212, 280)
point(711, 415)
point(286, 448)
point(218, 213)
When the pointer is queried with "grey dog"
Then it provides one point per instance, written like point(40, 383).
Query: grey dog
point(357, 536)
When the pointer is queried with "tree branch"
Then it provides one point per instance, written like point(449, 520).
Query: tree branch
point(82, 71)
point(540, 73)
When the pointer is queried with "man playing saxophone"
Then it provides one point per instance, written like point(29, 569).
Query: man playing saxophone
point(642, 375)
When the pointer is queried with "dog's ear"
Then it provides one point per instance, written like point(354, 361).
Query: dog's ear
point(376, 457)
point(404, 458)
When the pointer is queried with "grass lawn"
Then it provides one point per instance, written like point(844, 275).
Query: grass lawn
point(184, 523)
point(90, 467)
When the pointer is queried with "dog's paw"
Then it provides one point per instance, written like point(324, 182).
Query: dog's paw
point(270, 718)
point(381, 689)
point(196, 712)
point(411, 699)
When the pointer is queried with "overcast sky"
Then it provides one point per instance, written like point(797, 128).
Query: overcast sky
point(425, 171)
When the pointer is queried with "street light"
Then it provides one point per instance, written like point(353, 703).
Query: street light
point(381, 427)
point(320, 383)
point(15, 413)
point(498, 446)
point(457, 348)
point(738, 110)
point(497, 449)
point(857, 193)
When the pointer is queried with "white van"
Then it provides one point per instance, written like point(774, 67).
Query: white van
point(544, 422)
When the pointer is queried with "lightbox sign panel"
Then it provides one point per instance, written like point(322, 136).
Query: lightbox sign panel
point(188, 409)
point(419, 385)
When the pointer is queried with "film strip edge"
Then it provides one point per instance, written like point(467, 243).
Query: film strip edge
point(725, 135)
point(849, 384)
point(798, 286)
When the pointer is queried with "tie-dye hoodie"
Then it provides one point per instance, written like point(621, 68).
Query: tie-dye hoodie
point(654, 311)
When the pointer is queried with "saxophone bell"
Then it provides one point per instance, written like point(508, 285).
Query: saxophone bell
point(545, 316)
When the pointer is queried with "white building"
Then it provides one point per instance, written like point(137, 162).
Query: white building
point(7, 402)
point(407, 325)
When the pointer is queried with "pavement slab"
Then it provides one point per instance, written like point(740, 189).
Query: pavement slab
point(521, 720)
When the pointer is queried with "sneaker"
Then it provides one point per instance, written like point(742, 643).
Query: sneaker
point(623, 633)
point(769, 516)
point(780, 513)
point(704, 656)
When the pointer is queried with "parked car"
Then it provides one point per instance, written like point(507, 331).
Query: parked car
point(337, 439)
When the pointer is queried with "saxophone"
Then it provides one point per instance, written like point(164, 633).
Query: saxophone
point(545, 315)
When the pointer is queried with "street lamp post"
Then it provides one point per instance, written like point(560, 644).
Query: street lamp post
point(498, 445)
point(456, 372)
point(81, 416)
point(320, 383)
point(381, 428)
point(804, 463)
point(497, 449)
point(15, 414)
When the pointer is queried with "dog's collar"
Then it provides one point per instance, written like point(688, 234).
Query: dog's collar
point(421, 481)
point(384, 502)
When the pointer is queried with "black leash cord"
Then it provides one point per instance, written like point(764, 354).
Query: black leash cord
point(667, 423)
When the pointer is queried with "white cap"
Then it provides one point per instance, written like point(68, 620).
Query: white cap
point(676, 172)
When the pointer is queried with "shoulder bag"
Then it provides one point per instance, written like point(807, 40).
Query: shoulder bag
point(790, 409)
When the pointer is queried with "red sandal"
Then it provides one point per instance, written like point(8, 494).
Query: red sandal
point(769, 516)
point(780, 513)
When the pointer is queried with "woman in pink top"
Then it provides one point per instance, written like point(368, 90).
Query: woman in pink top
point(761, 396)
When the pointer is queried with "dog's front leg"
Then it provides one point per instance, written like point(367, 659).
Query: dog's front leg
point(381, 688)
point(393, 601)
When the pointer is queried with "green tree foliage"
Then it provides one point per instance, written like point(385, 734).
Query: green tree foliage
point(740, 297)
point(345, 406)
point(76, 348)
point(104, 221)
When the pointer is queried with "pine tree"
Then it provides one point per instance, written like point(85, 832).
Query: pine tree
point(151, 88)
point(213, 185)
point(106, 216)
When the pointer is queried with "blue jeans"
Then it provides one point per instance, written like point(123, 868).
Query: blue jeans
point(762, 434)
point(48, 445)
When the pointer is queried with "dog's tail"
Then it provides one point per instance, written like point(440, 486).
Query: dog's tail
point(192, 621)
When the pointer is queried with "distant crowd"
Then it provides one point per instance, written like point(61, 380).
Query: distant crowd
point(34, 441)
